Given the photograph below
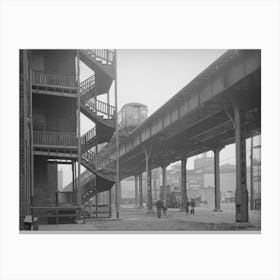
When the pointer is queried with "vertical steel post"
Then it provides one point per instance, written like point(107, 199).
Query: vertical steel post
point(117, 141)
point(164, 182)
point(155, 183)
point(96, 170)
point(149, 180)
point(31, 144)
point(184, 183)
point(110, 204)
point(56, 198)
point(241, 193)
point(96, 204)
point(149, 188)
point(90, 211)
point(73, 177)
point(217, 179)
point(27, 92)
point(252, 206)
point(136, 191)
point(78, 128)
point(140, 190)
point(75, 183)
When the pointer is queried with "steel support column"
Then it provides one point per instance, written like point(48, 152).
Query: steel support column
point(75, 184)
point(79, 196)
point(164, 182)
point(183, 184)
point(73, 177)
point(110, 203)
point(31, 143)
point(96, 205)
point(252, 206)
point(149, 189)
point(140, 190)
point(217, 179)
point(154, 173)
point(136, 190)
point(241, 193)
point(149, 179)
point(117, 194)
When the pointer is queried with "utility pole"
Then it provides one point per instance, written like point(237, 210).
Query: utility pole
point(117, 142)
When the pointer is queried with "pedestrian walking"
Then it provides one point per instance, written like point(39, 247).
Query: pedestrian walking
point(192, 206)
point(187, 207)
point(164, 207)
point(159, 206)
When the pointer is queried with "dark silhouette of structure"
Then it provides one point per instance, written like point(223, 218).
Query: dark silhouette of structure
point(51, 99)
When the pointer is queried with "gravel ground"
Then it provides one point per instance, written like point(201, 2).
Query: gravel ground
point(132, 219)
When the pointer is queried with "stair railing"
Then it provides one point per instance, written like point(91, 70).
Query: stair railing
point(87, 85)
point(105, 108)
point(105, 55)
point(99, 106)
point(103, 162)
point(89, 158)
point(88, 136)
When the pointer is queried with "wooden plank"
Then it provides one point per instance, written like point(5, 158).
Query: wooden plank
point(54, 93)
point(61, 155)
point(54, 86)
point(54, 146)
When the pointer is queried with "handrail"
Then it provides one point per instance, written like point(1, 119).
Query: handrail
point(89, 186)
point(105, 55)
point(100, 106)
point(88, 136)
point(105, 108)
point(90, 158)
point(48, 138)
point(54, 79)
point(87, 85)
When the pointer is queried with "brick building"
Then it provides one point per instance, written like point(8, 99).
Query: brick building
point(51, 100)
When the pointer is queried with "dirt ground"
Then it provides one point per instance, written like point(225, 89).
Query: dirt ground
point(134, 220)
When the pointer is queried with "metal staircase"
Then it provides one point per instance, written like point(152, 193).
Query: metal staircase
point(88, 140)
point(102, 58)
point(103, 115)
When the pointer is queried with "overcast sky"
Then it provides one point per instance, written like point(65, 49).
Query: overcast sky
point(152, 77)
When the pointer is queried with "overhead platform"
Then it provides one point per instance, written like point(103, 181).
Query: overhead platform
point(55, 144)
point(54, 83)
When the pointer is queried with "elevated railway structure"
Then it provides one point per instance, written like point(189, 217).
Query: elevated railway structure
point(221, 106)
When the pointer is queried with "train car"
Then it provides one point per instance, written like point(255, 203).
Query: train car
point(132, 115)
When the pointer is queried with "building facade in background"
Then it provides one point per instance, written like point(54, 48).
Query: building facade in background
point(200, 181)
